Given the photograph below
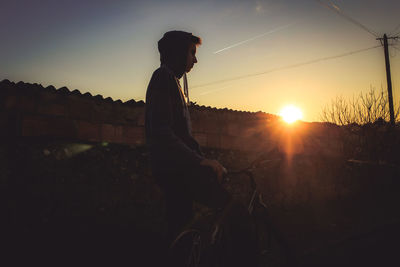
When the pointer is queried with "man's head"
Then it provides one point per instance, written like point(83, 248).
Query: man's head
point(178, 51)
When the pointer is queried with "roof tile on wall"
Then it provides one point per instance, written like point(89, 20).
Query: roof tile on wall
point(96, 118)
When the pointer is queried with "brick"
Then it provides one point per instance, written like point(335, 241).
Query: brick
point(228, 142)
point(211, 125)
point(49, 103)
point(120, 113)
point(8, 124)
point(10, 102)
point(62, 127)
point(248, 144)
point(107, 132)
point(80, 109)
point(27, 103)
point(223, 126)
point(33, 126)
point(47, 126)
point(129, 113)
point(52, 109)
point(201, 138)
point(233, 129)
point(3, 120)
point(134, 135)
point(141, 116)
point(213, 140)
point(240, 144)
point(103, 112)
point(198, 126)
point(119, 134)
point(50, 97)
point(88, 131)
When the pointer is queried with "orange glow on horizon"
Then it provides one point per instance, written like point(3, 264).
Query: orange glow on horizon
point(291, 114)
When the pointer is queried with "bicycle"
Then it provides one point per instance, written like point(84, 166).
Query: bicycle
point(203, 241)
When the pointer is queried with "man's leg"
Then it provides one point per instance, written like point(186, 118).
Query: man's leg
point(181, 188)
point(179, 210)
point(203, 185)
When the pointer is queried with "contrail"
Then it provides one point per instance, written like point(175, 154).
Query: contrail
point(335, 6)
point(253, 38)
point(285, 67)
point(216, 90)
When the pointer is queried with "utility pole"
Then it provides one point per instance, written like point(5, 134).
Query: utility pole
point(388, 76)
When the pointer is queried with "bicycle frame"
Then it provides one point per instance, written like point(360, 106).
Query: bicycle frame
point(256, 195)
point(255, 203)
point(256, 200)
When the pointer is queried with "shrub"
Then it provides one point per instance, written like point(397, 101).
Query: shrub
point(365, 108)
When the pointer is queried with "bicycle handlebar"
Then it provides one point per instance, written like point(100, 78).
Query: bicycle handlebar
point(252, 166)
point(248, 171)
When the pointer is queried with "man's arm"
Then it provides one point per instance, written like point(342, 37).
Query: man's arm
point(196, 145)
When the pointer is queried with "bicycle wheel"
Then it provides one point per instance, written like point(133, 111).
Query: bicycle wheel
point(185, 250)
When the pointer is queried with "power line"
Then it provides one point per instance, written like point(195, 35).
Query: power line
point(286, 67)
point(338, 11)
point(395, 34)
point(395, 29)
point(398, 49)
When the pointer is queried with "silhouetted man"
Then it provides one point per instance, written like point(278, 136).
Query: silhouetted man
point(176, 159)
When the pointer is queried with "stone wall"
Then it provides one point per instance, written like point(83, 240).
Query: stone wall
point(31, 110)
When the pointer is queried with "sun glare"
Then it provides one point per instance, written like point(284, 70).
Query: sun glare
point(291, 114)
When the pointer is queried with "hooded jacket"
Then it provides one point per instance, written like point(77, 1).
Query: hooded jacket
point(168, 127)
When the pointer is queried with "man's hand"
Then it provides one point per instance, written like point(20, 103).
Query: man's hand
point(216, 166)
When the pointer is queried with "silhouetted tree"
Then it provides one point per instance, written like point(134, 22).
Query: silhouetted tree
point(365, 108)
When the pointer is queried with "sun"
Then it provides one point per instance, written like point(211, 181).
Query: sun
point(291, 114)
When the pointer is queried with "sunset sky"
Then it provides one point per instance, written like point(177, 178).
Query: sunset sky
point(110, 48)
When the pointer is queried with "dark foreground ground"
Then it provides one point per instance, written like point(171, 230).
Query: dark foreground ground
point(73, 204)
point(377, 247)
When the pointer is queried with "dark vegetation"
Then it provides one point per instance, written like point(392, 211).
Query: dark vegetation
point(64, 202)
point(362, 109)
